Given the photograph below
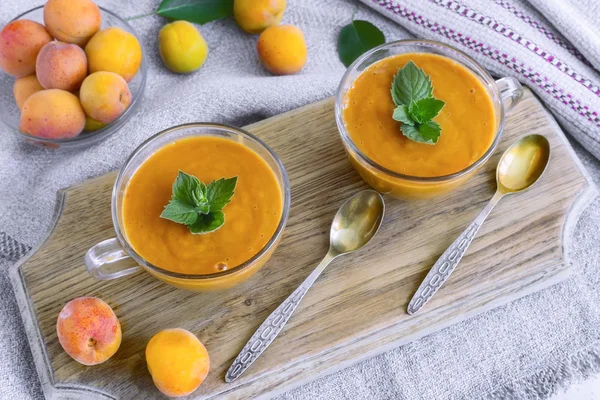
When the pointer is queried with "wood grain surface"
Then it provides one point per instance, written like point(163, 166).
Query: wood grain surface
point(357, 308)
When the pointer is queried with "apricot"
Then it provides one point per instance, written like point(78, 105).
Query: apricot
point(20, 43)
point(61, 66)
point(114, 50)
point(282, 50)
point(88, 330)
point(72, 21)
point(25, 87)
point(92, 125)
point(177, 361)
point(104, 96)
point(182, 48)
point(254, 16)
point(52, 114)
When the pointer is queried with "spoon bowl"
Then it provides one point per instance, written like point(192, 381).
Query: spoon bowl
point(356, 222)
point(522, 164)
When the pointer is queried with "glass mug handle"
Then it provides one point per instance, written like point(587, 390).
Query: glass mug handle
point(107, 260)
point(511, 92)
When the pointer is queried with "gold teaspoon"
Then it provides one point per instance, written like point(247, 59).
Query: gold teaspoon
point(521, 165)
point(354, 225)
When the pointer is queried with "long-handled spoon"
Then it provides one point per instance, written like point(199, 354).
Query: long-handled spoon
point(520, 166)
point(355, 223)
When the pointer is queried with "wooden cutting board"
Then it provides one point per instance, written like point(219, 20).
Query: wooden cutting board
point(357, 308)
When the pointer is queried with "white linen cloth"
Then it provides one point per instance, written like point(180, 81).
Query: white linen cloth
point(526, 349)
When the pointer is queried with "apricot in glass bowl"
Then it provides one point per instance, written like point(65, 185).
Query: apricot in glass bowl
point(10, 115)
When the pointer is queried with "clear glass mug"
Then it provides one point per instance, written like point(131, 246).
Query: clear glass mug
point(505, 94)
point(114, 258)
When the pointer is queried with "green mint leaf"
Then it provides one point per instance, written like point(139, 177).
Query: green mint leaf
point(401, 114)
point(427, 133)
point(425, 109)
point(197, 205)
point(184, 187)
point(412, 92)
point(356, 38)
point(411, 132)
point(203, 208)
point(180, 212)
point(198, 11)
point(219, 193)
point(199, 194)
point(208, 222)
point(430, 131)
point(411, 84)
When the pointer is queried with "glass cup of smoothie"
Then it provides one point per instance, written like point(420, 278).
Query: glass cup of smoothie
point(255, 217)
point(471, 120)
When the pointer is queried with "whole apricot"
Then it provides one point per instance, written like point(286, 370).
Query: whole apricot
point(72, 21)
point(20, 43)
point(88, 330)
point(114, 50)
point(282, 50)
point(104, 96)
point(182, 48)
point(177, 361)
point(92, 125)
point(254, 16)
point(25, 87)
point(61, 66)
point(52, 114)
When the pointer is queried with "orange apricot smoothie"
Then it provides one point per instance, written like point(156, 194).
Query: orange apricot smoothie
point(467, 120)
point(251, 217)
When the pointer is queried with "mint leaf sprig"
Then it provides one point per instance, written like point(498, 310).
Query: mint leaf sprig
point(197, 205)
point(416, 107)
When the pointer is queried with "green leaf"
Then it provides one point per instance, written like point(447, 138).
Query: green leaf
point(430, 131)
point(425, 109)
point(184, 187)
point(427, 133)
point(412, 92)
point(180, 212)
point(356, 38)
point(208, 223)
point(203, 208)
point(219, 193)
point(401, 114)
point(411, 84)
point(197, 205)
point(198, 11)
point(199, 195)
point(411, 132)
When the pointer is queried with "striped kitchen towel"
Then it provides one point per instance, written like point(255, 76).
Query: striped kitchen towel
point(552, 46)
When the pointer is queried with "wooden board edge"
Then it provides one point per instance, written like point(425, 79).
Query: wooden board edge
point(585, 196)
point(559, 132)
point(91, 181)
point(286, 114)
point(34, 336)
point(433, 329)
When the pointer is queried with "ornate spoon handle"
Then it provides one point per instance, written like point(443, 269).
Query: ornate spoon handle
point(274, 323)
point(443, 267)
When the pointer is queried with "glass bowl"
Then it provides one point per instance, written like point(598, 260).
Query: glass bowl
point(505, 93)
point(114, 258)
point(10, 114)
